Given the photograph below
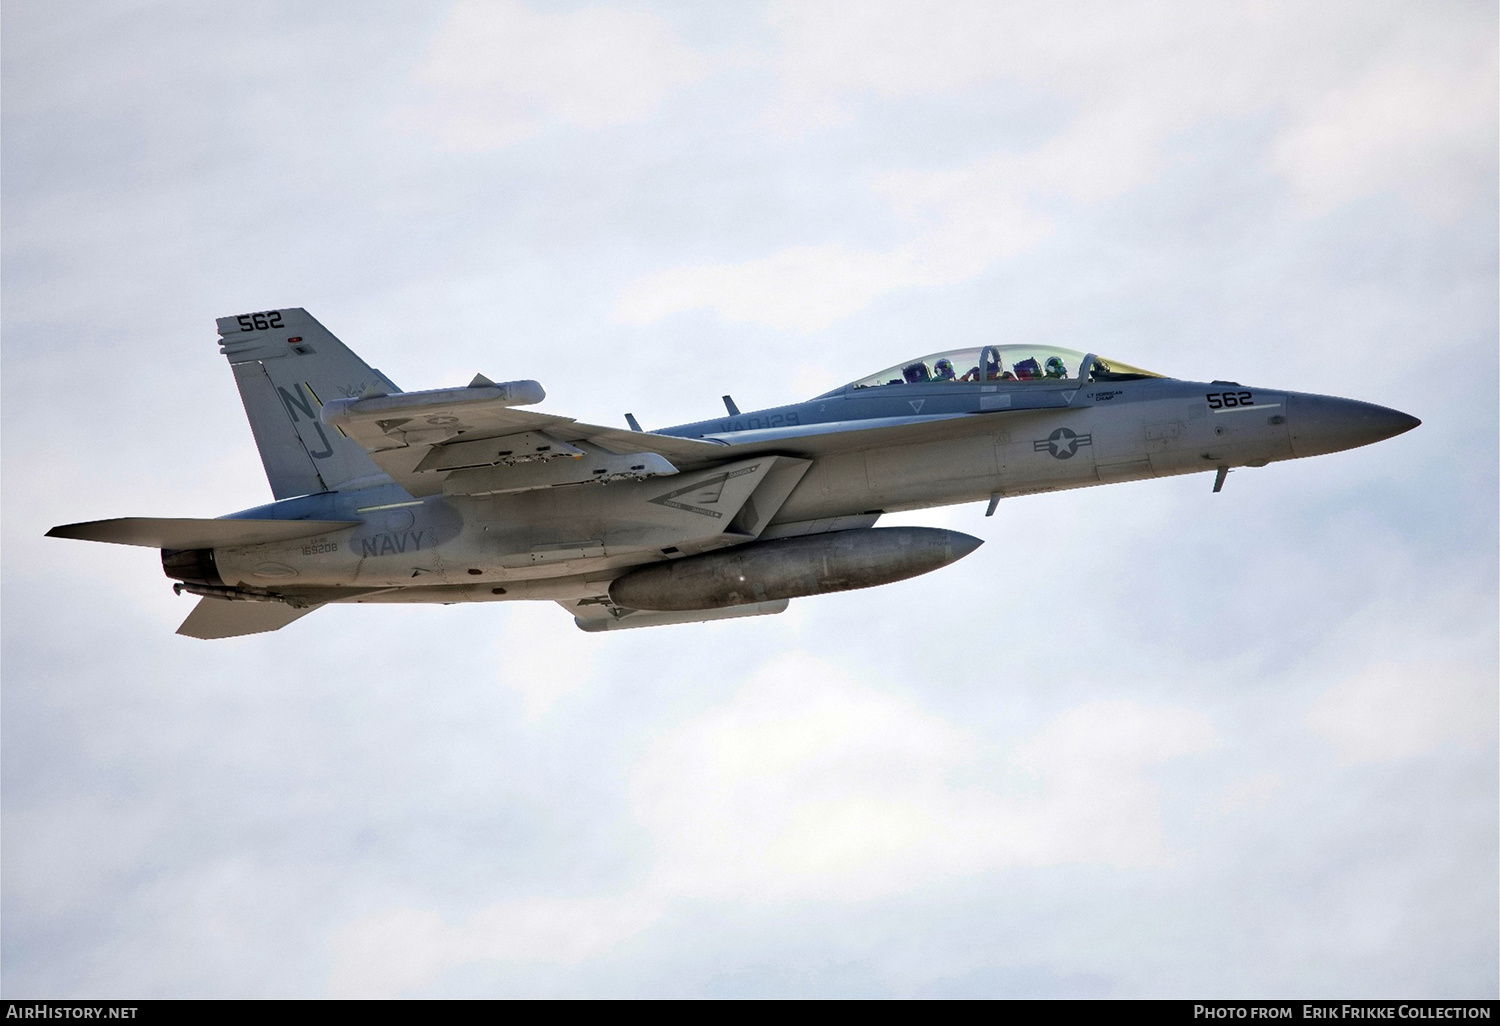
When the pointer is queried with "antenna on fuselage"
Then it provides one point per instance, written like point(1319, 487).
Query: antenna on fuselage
point(734, 411)
point(630, 419)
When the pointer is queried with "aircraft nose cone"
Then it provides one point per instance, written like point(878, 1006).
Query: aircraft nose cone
point(1321, 424)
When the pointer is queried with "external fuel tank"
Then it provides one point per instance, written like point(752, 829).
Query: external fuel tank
point(785, 568)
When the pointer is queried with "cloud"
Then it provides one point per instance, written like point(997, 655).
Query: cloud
point(395, 952)
point(187, 818)
point(810, 785)
point(812, 287)
point(1398, 710)
point(1355, 119)
point(70, 852)
point(497, 72)
point(961, 220)
point(1426, 130)
point(813, 785)
point(1251, 793)
point(543, 656)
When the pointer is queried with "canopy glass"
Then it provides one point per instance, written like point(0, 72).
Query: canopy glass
point(1018, 364)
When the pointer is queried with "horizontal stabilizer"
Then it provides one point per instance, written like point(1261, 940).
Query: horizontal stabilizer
point(217, 618)
point(160, 533)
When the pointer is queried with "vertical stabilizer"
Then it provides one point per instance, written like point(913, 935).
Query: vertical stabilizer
point(287, 365)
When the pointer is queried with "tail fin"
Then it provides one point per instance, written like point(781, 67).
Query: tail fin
point(287, 365)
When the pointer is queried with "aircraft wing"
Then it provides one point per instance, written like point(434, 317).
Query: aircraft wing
point(471, 441)
point(680, 451)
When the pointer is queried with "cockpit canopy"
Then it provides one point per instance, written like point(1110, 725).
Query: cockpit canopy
point(1017, 364)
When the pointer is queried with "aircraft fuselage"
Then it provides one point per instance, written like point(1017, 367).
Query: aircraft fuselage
point(973, 442)
point(457, 495)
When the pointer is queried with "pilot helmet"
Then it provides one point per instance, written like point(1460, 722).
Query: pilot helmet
point(1056, 368)
point(943, 369)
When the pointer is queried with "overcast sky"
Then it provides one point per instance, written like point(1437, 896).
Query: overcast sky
point(1146, 741)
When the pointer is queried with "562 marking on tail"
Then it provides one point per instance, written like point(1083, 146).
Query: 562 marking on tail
point(263, 321)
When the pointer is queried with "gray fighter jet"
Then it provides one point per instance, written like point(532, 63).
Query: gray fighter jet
point(456, 495)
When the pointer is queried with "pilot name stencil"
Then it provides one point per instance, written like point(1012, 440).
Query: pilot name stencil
point(1063, 443)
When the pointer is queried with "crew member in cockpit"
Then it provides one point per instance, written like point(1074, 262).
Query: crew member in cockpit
point(943, 370)
point(1056, 368)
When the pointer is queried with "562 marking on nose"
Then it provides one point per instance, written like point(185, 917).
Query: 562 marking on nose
point(1228, 400)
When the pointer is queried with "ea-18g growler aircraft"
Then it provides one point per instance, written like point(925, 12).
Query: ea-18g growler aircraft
point(458, 495)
